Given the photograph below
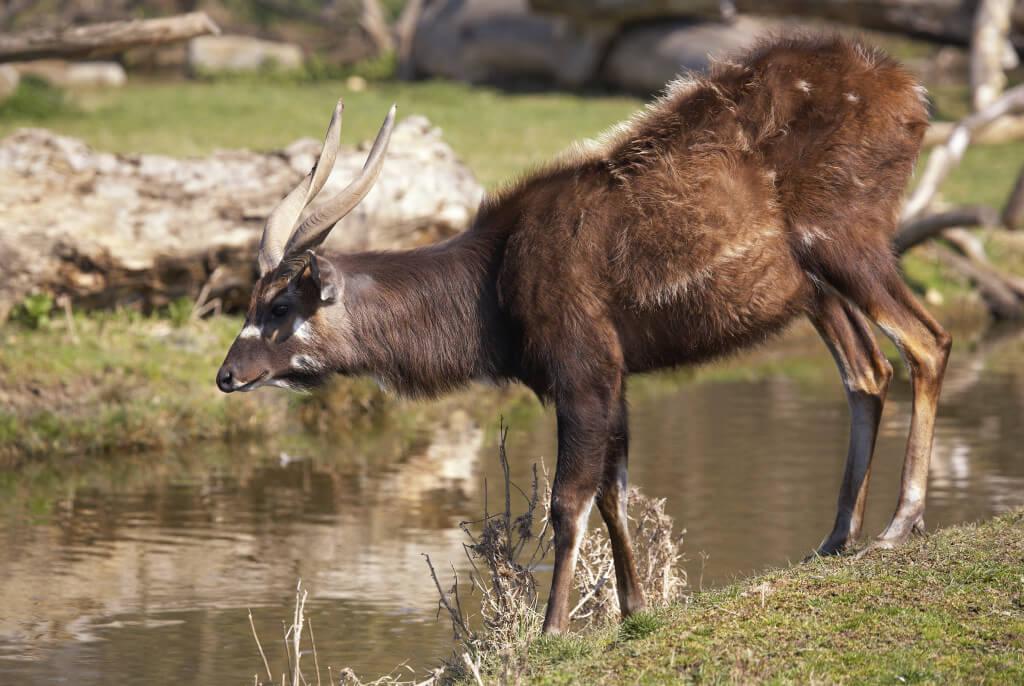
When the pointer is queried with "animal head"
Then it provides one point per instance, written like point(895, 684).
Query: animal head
point(297, 313)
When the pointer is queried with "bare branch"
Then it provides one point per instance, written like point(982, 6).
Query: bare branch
point(1013, 212)
point(96, 40)
point(919, 230)
point(945, 158)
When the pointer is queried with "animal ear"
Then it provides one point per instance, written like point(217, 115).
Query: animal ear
point(327, 280)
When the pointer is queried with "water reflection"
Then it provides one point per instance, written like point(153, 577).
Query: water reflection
point(142, 571)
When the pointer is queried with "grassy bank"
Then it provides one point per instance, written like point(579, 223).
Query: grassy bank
point(947, 608)
point(116, 381)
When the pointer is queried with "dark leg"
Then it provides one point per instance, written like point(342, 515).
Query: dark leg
point(925, 348)
point(584, 422)
point(611, 501)
point(866, 375)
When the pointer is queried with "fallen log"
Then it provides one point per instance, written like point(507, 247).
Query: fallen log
point(98, 40)
point(1002, 301)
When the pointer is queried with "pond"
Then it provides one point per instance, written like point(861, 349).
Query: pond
point(142, 569)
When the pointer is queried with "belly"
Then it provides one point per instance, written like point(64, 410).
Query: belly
point(725, 307)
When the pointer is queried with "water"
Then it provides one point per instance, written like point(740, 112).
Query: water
point(142, 569)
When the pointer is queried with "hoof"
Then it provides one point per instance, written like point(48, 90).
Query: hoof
point(829, 548)
point(895, 535)
point(876, 545)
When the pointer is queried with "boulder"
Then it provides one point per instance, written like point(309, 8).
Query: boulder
point(9, 80)
point(141, 230)
point(67, 74)
point(626, 11)
point(645, 57)
point(220, 54)
point(503, 41)
point(946, 20)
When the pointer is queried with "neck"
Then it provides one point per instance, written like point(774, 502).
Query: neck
point(425, 321)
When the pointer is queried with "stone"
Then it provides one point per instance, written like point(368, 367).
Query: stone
point(66, 74)
point(220, 54)
point(647, 56)
point(503, 41)
point(9, 80)
point(142, 230)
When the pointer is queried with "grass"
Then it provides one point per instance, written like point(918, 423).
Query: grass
point(109, 386)
point(947, 608)
point(498, 134)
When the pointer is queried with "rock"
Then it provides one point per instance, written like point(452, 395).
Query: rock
point(217, 54)
point(503, 41)
point(355, 83)
point(106, 74)
point(9, 80)
point(946, 20)
point(75, 74)
point(142, 230)
point(647, 56)
point(627, 11)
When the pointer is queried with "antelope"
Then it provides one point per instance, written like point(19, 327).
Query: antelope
point(767, 189)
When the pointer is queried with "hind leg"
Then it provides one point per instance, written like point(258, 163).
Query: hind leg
point(925, 348)
point(611, 501)
point(866, 375)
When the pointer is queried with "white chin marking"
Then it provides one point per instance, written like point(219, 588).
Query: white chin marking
point(249, 331)
point(305, 363)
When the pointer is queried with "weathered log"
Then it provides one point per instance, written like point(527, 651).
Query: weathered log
point(1002, 302)
point(917, 231)
point(96, 40)
point(988, 46)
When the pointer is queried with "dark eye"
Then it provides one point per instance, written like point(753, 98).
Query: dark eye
point(279, 310)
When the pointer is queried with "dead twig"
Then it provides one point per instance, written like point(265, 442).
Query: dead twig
point(266, 665)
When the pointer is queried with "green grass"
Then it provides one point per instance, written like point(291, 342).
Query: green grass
point(947, 608)
point(121, 382)
point(498, 134)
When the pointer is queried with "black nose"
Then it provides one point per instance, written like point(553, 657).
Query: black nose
point(225, 380)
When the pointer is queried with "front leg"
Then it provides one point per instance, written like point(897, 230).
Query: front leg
point(584, 417)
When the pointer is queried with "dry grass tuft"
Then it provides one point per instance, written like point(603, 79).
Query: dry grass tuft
point(504, 553)
point(659, 558)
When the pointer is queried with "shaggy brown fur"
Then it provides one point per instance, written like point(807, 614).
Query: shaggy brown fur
point(735, 203)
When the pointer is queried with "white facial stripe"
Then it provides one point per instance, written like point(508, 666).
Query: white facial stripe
point(249, 331)
point(301, 330)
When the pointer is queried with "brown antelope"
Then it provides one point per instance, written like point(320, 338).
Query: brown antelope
point(730, 206)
